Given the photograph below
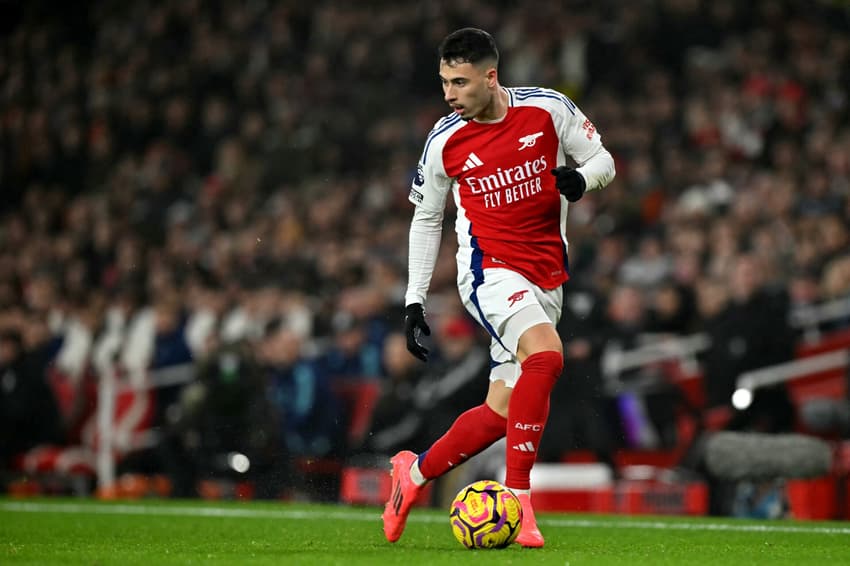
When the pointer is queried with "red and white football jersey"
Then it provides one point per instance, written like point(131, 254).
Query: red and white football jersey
point(510, 214)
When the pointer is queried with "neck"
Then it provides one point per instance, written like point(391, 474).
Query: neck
point(497, 108)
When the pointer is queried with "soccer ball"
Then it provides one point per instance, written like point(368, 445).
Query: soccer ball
point(485, 514)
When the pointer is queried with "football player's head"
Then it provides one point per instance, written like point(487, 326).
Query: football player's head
point(468, 71)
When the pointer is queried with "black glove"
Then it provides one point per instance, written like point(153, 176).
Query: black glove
point(570, 182)
point(414, 324)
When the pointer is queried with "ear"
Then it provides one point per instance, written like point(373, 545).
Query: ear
point(492, 77)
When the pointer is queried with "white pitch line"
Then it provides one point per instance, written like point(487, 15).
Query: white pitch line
point(363, 515)
point(700, 526)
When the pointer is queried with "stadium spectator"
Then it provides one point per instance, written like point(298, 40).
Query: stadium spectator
point(583, 418)
point(312, 419)
point(302, 396)
point(225, 410)
point(29, 411)
point(757, 335)
point(396, 422)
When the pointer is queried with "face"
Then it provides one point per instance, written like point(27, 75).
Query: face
point(283, 347)
point(397, 359)
point(746, 278)
point(469, 89)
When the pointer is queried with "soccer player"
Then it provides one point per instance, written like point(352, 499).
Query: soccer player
point(502, 153)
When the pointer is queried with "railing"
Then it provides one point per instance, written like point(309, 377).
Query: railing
point(809, 318)
point(684, 349)
point(749, 382)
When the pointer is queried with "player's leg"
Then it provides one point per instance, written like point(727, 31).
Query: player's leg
point(472, 432)
point(528, 412)
point(479, 427)
point(529, 333)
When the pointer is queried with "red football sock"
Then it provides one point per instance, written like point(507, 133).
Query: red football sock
point(527, 413)
point(472, 432)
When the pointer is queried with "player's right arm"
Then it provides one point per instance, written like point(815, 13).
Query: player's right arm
point(428, 192)
point(426, 231)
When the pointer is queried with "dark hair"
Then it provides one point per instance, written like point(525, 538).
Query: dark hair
point(468, 45)
point(13, 336)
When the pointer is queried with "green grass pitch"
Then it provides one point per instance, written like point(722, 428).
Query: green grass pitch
point(149, 532)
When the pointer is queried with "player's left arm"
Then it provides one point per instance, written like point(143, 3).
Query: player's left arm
point(583, 143)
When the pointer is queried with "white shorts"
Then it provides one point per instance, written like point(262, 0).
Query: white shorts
point(507, 304)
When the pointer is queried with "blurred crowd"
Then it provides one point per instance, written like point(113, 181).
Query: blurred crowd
point(224, 184)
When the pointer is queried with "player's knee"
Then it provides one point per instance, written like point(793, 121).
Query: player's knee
point(498, 398)
point(539, 338)
point(550, 362)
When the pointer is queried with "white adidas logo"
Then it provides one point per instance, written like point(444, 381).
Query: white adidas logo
point(524, 447)
point(471, 162)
